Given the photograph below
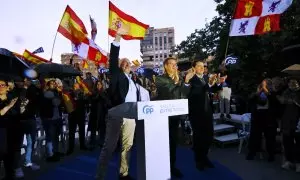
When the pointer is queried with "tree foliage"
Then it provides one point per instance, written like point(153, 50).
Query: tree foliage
point(259, 56)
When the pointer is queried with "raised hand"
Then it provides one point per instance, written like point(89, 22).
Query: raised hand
point(123, 30)
point(190, 75)
point(213, 79)
point(12, 102)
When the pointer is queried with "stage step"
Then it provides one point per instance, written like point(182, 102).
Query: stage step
point(228, 138)
point(223, 127)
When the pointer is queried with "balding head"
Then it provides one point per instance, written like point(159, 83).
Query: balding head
point(124, 64)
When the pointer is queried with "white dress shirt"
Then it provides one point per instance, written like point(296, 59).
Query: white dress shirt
point(131, 94)
point(132, 91)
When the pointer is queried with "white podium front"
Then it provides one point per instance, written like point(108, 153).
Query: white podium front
point(152, 134)
point(153, 154)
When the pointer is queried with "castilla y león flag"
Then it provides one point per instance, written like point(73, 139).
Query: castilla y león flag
point(118, 18)
point(72, 27)
point(253, 17)
point(90, 51)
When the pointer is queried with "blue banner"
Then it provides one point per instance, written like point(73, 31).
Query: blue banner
point(102, 70)
point(39, 50)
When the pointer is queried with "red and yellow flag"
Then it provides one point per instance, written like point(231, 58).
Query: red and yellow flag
point(32, 58)
point(267, 24)
point(72, 27)
point(85, 64)
point(68, 101)
point(85, 88)
point(136, 63)
point(117, 18)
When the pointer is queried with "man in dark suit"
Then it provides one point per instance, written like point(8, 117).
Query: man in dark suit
point(121, 89)
point(171, 86)
point(201, 114)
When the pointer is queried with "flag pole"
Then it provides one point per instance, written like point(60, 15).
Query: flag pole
point(53, 46)
point(227, 44)
point(108, 45)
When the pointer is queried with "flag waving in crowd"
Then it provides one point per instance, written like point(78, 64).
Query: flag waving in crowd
point(39, 50)
point(72, 27)
point(33, 59)
point(253, 17)
point(118, 18)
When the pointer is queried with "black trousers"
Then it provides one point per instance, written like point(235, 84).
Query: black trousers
point(262, 125)
point(76, 118)
point(8, 160)
point(173, 137)
point(291, 144)
point(97, 125)
point(202, 137)
point(9, 156)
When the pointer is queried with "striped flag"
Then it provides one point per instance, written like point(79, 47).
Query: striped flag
point(72, 27)
point(118, 18)
point(85, 88)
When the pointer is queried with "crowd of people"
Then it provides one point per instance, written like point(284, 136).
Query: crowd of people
point(22, 102)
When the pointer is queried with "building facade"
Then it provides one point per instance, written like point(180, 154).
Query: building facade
point(157, 46)
point(92, 68)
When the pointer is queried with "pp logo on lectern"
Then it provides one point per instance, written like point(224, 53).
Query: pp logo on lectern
point(148, 109)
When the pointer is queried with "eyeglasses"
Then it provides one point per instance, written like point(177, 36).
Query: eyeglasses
point(2, 85)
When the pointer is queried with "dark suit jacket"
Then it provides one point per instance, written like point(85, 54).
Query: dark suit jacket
point(46, 106)
point(200, 104)
point(168, 90)
point(119, 83)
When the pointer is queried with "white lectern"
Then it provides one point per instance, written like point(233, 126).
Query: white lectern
point(152, 134)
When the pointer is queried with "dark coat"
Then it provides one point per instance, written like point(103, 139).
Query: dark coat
point(200, 104)
point(273, 112)
point(119, 83)
point(46, 106)
point(168, 90)
point(10, 129)
point(99, 106)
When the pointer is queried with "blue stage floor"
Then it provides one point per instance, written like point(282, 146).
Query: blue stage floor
point(83, 167)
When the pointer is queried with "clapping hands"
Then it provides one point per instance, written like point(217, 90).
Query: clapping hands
point(190, 75)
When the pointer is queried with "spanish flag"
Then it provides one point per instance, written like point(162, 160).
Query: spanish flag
point(32, 58)
point(117, 18)
point(85, 88)
point(136, 63)
point(68, 101)
point(85, 64)
point(72, 27)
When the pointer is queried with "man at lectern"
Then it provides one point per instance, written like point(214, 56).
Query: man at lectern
point(121, 89)
point(171, 86)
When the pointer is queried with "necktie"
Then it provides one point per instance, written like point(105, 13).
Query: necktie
point(138, 97)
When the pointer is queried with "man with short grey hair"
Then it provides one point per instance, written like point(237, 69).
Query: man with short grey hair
point(121, 89)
